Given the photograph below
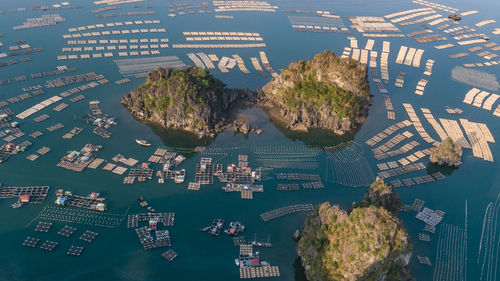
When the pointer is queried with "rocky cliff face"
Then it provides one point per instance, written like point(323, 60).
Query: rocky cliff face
point(369, 243)
point(190, 99)
point(326, 92)
point(447, 153)
point(382, 195)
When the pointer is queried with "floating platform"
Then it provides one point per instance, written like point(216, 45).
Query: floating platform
point(313, 185)
point(88, 236)
point(194, 186)
point(75, 251)
point(49, 245)
point(66, 231)
point(169, 255)
point(36, 193)
point(43, 226)
point(287, 187)
point(31, 242)
point(167, 219)
point(259, 272)
point(298, 176)
point(276, 213)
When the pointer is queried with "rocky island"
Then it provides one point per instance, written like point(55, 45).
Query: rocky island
point(190, 99)
point(367, 243)
point(447, 153)
point(326, 92)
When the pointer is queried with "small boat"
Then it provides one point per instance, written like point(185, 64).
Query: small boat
point(16, 205)
point(179, 178)
point(142, 142)
point(205, 229)
point(237, 262)
point(296, 235)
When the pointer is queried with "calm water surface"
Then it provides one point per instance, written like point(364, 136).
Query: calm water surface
point(116, 254)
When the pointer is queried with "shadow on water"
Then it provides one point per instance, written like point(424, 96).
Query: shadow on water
point(180, 141)
point(434, 168)
point(314, 137)
point(300, 271)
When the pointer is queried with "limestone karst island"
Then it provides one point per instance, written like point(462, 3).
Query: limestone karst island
point(224, 140)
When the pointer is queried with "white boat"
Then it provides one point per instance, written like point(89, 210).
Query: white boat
point(237, 262)
point(142, 142)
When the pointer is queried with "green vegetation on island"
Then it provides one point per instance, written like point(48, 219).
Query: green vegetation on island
point(447, 153)
point(326, 92)
point(189, 99)
point(367, 243)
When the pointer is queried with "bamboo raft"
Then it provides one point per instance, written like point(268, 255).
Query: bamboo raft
point(206, 60)
point(469, 42)
point(479, 136)
point(437, 127)
point(416, 122)
point(112, 24)
point(196, 60)
point(354, 43)
point(401, 170)
point(241, 64)
point(400, 80)
point(384, 61)
point(428, 67)
point(266, 64)
point(454, 131)
point(276, 213)
point(81, 216)
point(346, 53)
point(406, 12)
point(37, 193)
point(94, 164)
point(113, 32)
point(355, 54)
point(391, 143)
point(438, 21)
point(411, 16)
point(484, 22)
point(387, 132)
point(420, 20)
point(256, 65)
point(401, 54)
point(259, 272)
point(369, 44)
point(436, 6)
point(421, 87)
point(218, 46)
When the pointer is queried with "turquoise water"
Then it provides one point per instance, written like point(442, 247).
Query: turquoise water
point(117, 254)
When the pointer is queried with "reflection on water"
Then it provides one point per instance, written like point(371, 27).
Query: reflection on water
point(257, 118)
point(300, 272)
point(434, 168)
point(314, 137)
point(181, 141)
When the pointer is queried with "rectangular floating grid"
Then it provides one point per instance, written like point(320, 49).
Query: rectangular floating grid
point(49, 245)
point(75, 251)
point(31, 242)
point(169, 255)
point(67, 231)
point(88, 236)
point(43, 226)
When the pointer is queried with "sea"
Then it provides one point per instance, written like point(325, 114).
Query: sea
point(116, 253)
